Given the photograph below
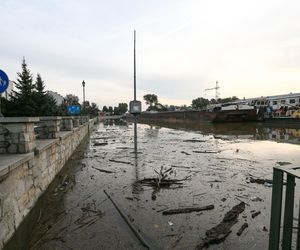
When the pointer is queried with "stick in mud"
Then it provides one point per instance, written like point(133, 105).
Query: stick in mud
point(188, 210)
point(255, 214)
point(135, 231)
point(241, 230)
point(117, 161)
point(104, 171)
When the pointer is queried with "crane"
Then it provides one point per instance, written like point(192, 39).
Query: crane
point(216, 88)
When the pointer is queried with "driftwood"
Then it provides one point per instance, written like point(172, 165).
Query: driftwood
point(117, 161)
point(188, 210)
point(183, 152)
point(220, 232)
point(206, 152)
point(260, 181)
point(241, 230)
point(104, 171)
point(100, 143)
point(193, 140)
point(255, 214)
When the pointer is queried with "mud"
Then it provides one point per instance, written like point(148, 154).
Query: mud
point(75, 213)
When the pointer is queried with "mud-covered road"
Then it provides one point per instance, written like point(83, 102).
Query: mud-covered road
point(206, 168)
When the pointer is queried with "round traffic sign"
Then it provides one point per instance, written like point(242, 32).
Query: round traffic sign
point(3, 81)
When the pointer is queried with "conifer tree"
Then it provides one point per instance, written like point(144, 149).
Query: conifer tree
point(22, 101)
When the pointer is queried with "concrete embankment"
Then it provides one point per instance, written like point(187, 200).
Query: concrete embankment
point(32, 152)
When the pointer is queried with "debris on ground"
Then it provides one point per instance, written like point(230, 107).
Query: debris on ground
point(241, 230)
point(188, 210)
point(260, 181)
point(255, 199)
point(253, 215)
point(206, 152)
point(220, 232)
point(194, 140)
point(100, 143)
point(104, 171)
point(118, 161)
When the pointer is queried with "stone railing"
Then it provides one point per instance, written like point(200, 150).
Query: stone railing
point(17, 134)
point(29, 162)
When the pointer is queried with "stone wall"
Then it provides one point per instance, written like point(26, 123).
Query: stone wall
point(24, 177)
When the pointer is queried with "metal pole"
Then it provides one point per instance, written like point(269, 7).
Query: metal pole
point(134, 65)
point(83, 86)
point(134, 81)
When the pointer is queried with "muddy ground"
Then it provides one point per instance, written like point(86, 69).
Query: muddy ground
point(208, 169)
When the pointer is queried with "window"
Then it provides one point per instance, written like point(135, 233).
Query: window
point(282, 101)
point(292, 101)
point(274, 102)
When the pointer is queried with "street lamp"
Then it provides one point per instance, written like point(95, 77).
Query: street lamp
point(83, 86)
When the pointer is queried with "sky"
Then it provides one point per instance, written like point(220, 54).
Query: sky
point(252, 48)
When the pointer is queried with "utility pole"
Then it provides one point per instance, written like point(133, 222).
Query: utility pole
point(83, 87)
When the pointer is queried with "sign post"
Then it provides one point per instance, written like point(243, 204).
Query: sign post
point(135, 107)
point(4, 82)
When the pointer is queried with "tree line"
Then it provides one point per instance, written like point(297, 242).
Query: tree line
point(30, 99)
point(121, 109)
point(197, 104)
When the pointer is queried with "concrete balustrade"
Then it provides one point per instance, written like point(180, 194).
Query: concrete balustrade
point(24, 177)
point(76, 121)
point(17, 135)
point(66, 123)
point(48, 127)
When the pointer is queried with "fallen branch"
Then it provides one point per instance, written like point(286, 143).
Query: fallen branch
point(241, 230)
point(117, 161)
point(188, 210)
point(192, 140)
point(135, 231)
point(104, 171)
point(206, 152)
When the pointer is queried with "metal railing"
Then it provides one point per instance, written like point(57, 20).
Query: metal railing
point(276, 207)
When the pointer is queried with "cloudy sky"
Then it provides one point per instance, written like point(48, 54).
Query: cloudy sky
point(252, 48)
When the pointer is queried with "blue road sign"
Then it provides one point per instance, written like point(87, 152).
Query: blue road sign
point(73, 109)
point(3, 81)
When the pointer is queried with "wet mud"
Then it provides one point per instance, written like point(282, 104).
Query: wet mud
point(183, 170)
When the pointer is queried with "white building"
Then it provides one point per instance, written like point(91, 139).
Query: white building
point(57, 97)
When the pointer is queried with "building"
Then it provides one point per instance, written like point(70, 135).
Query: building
point(57, 97)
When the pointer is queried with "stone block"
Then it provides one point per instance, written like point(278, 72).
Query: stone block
point(24, 137)
point(12, 149)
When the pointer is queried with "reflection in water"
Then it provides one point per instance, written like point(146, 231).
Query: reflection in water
point(291, 135)
point(115, 122)
point(255, 131)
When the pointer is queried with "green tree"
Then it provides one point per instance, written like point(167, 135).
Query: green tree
point(116, 111)
point(199, 103)
point(22, 101)
point(123, 108)
point(105, 109)
point(45, 104)
point(110, 110)
point(94, 110)
point(151, 100)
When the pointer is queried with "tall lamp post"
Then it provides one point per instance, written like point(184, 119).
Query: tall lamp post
point(83, 87)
